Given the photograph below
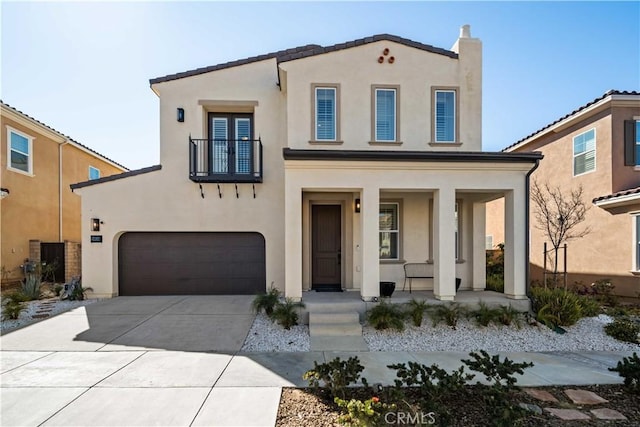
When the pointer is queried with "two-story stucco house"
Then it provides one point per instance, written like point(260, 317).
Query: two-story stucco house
point(597, 146)
point(313, 168)
point(39, 215)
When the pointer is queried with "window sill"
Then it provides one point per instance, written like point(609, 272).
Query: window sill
point(635, 273)
point(445, 144)
point(387, 143)
point(9, 168)
point(636, 168)
point(316, 142)
point(458, 261)
point(392, 261)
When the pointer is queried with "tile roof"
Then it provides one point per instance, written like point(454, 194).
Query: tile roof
point(61, 134)
point(576, 111)
point(618, 194)
point(115, 177)
point(304, 52)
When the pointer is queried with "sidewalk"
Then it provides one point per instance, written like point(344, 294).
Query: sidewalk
point(140, 388)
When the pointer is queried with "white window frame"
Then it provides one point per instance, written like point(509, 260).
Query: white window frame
point(435, 116)
point(29, 155)
point(395, 113)
point(335, 113)
point(637, 143)
point(396, 231)
point(595, 152)
point(636, 243)
point(95, 169)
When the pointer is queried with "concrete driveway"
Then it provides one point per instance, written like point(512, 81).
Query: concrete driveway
point(135, 361)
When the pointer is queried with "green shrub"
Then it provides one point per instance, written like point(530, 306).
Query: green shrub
point(484, 315)
point(556, 306)
point(58, 289)
point(435, 385)
point(507, 315)
point(623, 329)
point(385, 316)
point(501, 376)
point(266, 302)
point(415, 310)
point(286, 313)
point(12, 309)
point(449, 313)
point(603, 291)
point(629, 369)
point(495, 283)
point(31, 286)
point(367, 414)
point(590, 306)
point(335, 375)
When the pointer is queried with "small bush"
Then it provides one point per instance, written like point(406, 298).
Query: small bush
point(623, 329)
point(385, 316)
point(495, 283)
point(629, 369)
point(448, 313)
point(286, 313)
point(556, 306)
point(367, 414)
point(266, 302)
point(31, 286)
point(590, 306)
point(335, 375)
point(58, 289)
point(415, 310)
point(507, 315)
point(484, 315)
point(12, 309)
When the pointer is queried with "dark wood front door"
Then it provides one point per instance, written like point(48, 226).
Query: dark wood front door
point(326, 269)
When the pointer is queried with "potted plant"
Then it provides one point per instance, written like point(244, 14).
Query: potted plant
point(387, 288)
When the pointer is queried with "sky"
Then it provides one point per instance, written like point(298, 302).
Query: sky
point(83, 68)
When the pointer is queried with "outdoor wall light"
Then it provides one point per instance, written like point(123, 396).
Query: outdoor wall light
point(181, 115)
point(95, 224)
point(357, 207)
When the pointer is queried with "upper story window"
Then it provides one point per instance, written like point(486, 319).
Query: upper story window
point(637, 142)
point(584, 152)
point(94, 173)
point(389, 231)
point(325, 114)
point(632, 142)
point(385, 112)
point(20, 151)
point(445, 115)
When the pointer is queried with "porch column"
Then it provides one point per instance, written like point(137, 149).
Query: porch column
point(293, 240)
point(369, 216)
point(444, 260)
point(514, 244)
point(479, 249)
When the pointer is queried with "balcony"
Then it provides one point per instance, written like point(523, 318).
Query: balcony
point(225, 160)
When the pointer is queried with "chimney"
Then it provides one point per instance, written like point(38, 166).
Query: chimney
point(465, 31)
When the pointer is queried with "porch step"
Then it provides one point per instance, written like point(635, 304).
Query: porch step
point(335, 329)
point(332, 318)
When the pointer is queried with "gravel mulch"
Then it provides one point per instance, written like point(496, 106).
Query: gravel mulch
point(38, 310)
point(265, 335)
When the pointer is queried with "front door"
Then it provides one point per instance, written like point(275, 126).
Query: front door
point(326, 268)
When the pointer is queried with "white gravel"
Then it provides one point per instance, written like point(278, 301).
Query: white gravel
point(266, 335)
point(587, 334)
point(31, 307)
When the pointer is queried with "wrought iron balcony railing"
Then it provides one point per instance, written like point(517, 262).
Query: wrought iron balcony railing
point(225, 160)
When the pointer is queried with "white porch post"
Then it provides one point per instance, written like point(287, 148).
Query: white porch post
point(514, 246)
point(369, 215)
point(479, 249)
point(444, 260)
point(293, 240)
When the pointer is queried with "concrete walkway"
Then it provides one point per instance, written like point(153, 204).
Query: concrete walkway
point(169, 361)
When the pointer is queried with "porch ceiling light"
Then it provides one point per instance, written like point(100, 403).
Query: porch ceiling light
point(357, 206)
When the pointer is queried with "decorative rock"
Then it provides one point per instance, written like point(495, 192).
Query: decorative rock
point(531, 408)
point(567, 414)
point(607, 414)
point(39, 316)
point(542, 395)
point(584, 397)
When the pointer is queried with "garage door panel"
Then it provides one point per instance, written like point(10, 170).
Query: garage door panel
point(191, 263)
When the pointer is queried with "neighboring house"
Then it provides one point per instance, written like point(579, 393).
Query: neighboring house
point(596, 146)
point(39, 214)
point(312, 168)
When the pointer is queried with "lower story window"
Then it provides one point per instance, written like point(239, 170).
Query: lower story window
point(389, 231)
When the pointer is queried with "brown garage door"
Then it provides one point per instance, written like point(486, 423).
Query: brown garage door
point(191, 263)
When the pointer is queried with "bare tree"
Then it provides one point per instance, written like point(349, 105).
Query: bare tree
point(558, 215)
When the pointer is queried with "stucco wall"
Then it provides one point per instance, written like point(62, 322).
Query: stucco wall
point(32, 209)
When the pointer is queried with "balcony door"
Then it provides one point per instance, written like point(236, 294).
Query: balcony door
point(231, 137)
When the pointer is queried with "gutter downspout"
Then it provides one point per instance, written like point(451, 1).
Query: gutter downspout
point(65, 142)
point(527, 237)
